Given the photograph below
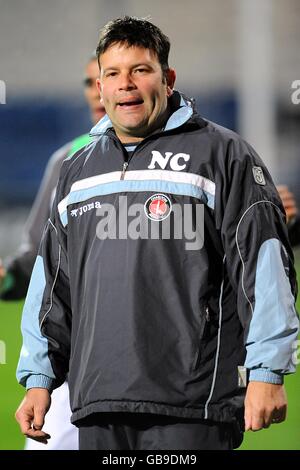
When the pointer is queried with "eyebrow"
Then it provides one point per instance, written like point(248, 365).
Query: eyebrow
point(140, 64)
point(110, 68)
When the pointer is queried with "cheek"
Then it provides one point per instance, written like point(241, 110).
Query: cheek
point(106, 95)
point(160, 96)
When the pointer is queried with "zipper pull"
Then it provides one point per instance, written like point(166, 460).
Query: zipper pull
point(125, 165)
point(207, 314)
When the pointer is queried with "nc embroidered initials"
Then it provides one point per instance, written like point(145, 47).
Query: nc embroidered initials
point(162, 161)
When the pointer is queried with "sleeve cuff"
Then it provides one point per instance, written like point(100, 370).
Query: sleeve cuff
point(40, 381)
point(265, 375)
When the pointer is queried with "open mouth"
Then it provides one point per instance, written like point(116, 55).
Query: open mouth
point(130, 103)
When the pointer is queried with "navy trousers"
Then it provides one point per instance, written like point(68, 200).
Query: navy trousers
point(142, 431)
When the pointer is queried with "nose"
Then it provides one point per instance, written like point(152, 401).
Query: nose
point(126, 82)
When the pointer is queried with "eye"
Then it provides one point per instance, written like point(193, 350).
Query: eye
point(111, 74)
point(140, 70)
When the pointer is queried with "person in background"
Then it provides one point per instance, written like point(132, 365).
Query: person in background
point(292, 214)
point(15, 273)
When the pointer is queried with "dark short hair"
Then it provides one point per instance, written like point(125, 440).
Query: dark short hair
point(134, 31)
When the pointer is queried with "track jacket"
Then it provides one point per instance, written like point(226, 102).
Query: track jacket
point(160, 274)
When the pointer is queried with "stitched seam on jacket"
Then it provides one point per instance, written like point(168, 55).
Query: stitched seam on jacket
point(238, 248)
point(54, 281)
point(218, 347)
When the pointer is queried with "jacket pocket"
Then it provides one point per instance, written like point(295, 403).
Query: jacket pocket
point(202, 335)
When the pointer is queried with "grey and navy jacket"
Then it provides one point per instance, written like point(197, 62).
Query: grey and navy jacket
point(142, 317)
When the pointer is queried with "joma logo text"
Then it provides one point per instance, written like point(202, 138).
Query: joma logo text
point(87, 207)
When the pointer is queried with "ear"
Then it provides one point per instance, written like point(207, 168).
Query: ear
point(99, 87)
point(171, 77)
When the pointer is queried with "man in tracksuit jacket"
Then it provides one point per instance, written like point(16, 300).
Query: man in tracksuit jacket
point(165, 277)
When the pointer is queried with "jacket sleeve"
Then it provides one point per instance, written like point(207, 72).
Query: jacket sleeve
point(19, 267)
point(259, 262)
point(46, 319)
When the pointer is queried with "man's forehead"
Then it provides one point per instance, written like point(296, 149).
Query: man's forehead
point(132, 49)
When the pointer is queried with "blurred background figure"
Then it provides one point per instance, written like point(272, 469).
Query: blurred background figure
point(288, 201)
point(292, 214)
point(15, 276)
point(15, 273)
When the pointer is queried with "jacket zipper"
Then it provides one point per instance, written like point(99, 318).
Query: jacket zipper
point(126, 162)
point(124, 168)
point(138, 147)
point(207, 314)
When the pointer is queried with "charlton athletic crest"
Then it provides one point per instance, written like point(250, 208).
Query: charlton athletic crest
point(158, 207)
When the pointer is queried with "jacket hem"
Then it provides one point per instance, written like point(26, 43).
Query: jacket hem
point(107, 406)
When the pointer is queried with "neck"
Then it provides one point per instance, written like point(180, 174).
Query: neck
point(129, 139)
